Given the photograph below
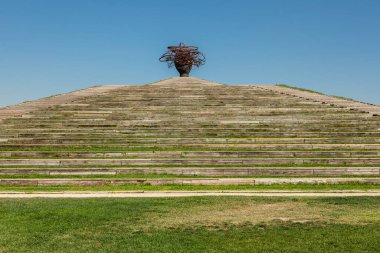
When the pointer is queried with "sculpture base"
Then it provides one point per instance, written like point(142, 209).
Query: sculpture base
point(184, 70)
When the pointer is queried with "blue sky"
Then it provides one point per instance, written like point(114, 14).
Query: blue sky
point(54, 46)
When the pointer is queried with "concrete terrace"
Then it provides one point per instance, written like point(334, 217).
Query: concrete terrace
point(189, 126)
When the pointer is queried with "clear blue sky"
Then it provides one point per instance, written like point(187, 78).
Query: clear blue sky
point(55, 46)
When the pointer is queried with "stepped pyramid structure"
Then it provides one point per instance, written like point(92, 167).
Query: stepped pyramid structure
point(189, 126)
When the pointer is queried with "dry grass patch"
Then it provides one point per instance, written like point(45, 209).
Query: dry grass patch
point(216, 215)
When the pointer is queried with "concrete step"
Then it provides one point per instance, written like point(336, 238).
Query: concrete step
point(214, 146)
point(183, 132)
point(27, 107)
point(183, 181)
point(188, 140)
point(182, 114)
point(196, 161)
point(189, 154)
point(200, 171)
point(355, 105)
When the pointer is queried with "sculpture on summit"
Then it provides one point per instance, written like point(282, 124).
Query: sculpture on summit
point(183, 58)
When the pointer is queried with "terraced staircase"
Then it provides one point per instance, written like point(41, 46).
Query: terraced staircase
point(188, 127)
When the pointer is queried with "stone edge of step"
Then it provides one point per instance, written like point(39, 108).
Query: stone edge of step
point(373, 110)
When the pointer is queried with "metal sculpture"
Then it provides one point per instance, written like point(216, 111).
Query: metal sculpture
point(183, 58)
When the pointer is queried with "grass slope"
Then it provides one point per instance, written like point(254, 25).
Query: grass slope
point(313, 91)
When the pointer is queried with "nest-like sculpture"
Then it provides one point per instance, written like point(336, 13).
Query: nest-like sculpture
point(183, 58)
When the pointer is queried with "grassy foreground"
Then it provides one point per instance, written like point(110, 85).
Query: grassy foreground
point(203, 224)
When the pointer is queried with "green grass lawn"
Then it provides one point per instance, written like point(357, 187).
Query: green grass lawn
point(202, 224)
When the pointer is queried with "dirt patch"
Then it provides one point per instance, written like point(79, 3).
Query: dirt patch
point(241, 213)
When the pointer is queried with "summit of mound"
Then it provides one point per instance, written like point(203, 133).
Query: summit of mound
point(185, 81)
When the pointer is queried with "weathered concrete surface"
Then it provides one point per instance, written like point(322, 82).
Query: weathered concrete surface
point(189, 126)
point(62, 99)
point(192, 162)
point(172, 194)
point(189, 82)
point(325, 99)
point(184, 181)
point(211, 171)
